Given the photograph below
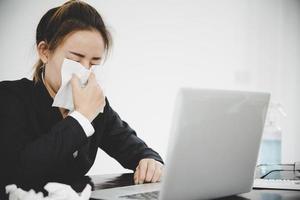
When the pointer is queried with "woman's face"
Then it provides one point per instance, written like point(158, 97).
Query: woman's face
point(85, 47)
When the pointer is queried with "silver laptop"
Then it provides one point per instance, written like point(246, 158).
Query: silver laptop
point(213, 150)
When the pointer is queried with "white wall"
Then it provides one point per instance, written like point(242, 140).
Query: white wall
point(161, 45)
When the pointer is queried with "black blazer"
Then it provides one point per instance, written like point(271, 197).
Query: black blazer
point(37, 143)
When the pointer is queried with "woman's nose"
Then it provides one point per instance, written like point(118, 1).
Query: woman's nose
point(86, 64)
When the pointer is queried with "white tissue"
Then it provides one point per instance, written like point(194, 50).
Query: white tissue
point(56, 191)
point(63, 98)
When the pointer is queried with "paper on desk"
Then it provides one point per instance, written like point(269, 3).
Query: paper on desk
point(64, 98)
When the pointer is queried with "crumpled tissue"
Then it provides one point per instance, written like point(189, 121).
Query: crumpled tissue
point(56, 191)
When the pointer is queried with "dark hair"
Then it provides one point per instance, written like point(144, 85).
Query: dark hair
point(60, 21)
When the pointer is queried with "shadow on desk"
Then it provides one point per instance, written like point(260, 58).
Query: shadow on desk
point(111, 181)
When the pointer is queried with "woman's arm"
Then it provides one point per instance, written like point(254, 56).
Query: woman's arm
point(27, 156)
point(121, 142)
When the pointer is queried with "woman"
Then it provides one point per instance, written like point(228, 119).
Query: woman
point(40, 143)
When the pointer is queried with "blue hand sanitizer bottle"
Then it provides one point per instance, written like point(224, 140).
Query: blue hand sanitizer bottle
point(270, 149)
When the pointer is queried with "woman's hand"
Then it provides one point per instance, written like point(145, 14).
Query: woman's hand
point(148, 170)
point(87, 100)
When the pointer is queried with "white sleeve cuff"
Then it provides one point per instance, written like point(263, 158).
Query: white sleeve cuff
point(84, 122)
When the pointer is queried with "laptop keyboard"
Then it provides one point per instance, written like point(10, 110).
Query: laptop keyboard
point(147, 196)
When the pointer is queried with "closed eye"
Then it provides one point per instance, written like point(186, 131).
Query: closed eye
point(75, 60)
point(82, 56)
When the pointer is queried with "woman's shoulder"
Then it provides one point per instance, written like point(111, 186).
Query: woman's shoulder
point(16, 88)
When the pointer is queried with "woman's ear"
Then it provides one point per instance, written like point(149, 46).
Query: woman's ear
point(43, 51)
